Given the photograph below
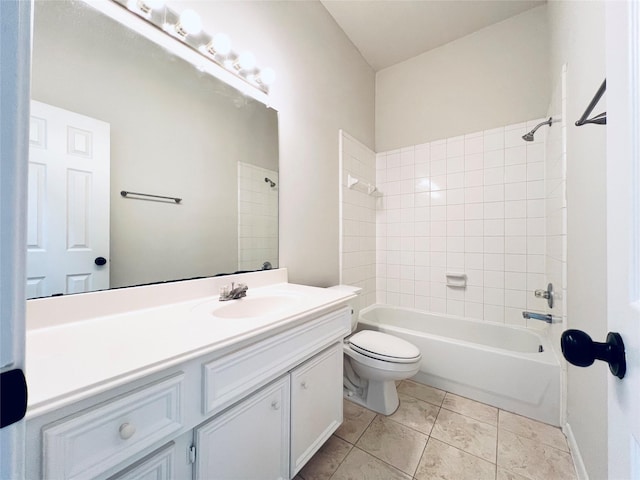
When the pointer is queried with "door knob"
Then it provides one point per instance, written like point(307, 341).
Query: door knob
point(580, 350)
point(100, 261)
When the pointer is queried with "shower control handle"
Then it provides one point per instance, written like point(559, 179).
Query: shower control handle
point(580, 350)
point(548, 294)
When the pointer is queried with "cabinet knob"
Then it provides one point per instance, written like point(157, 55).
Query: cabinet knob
point(126, 431)
point(304, 385)
point(275, 405)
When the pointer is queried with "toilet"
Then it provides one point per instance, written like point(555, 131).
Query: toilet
point(373, 362)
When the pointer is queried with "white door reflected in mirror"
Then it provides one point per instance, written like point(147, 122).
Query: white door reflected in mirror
point(68, 208)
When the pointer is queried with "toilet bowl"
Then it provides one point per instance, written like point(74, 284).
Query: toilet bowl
point(373, 362)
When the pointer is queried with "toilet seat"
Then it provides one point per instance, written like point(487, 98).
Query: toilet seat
point(384, 347)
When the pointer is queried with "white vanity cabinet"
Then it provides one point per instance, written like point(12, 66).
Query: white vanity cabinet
point(256, 411)
point(274, 432)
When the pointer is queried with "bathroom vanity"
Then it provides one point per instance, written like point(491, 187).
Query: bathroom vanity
point(193, 388)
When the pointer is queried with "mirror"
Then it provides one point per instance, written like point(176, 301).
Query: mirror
point(111, 112)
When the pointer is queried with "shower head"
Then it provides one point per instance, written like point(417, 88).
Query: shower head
point(528, 137)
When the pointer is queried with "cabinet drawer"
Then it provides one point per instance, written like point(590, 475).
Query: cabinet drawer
point(101, 438)
point(232, 377)
point(158, 466)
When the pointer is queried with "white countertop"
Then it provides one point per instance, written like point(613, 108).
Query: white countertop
point(70, 361)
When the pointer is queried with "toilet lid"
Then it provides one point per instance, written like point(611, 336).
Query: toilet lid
point(383, 346)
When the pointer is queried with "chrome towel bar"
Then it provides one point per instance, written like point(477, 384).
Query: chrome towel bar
point(125, 193)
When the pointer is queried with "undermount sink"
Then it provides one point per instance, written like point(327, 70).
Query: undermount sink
point(255, 306)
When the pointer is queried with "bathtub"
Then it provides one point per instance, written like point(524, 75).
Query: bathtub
point(509, 367)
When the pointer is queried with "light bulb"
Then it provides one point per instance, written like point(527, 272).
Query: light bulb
point(267, 76)
point(247, 61)
point(221, 43)
point(189, 23)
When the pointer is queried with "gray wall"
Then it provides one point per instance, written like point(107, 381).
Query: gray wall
point(494, 77)
point(323, 84)
point(577, 32)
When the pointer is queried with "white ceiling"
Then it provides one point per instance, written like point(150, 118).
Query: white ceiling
point(387, 32)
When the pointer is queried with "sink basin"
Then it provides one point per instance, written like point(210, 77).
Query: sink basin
point(255, 306)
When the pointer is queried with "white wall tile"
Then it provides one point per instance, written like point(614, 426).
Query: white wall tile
point(493, 176)
point(515, 191)
point(515, 155)
point(493, 159)
point(494, 227)
point(474, 143)
point(515, 263)
point(493, 193)
point(535, 171)
point(516, 280)
point(474, 203)
point(494, 313)
point(494, 210)
point(493, 140)
point(474, 178)
point(473, 227)
point(493, 296)
point(456, 180)
point(438, 150)
point(494, 279)
point(473, 194)
point(515, 173)
point(473, 161)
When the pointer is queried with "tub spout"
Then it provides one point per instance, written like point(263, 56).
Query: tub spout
point(538, 316)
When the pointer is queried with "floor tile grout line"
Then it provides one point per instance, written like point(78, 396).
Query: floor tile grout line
point(420, 459)
point(342, 461)
point(388, 417)
point(375, 456)
point(529, 438)
point(380, 459)
point(463, 451)
point(469, 416)
point(534, 439)
point(568, 452)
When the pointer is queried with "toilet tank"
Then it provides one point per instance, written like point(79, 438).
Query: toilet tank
point(354, 303)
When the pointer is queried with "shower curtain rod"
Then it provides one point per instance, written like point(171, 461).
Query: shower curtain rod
point(600, 119)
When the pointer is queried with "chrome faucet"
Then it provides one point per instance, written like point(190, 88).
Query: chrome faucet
point(234, 293)
point(538, 316)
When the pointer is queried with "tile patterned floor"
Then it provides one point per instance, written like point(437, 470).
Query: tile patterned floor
point(438, 435)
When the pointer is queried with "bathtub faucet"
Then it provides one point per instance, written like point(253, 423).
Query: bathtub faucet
point(538, 316)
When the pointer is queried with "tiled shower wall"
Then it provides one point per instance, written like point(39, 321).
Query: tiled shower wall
point(358, 218)
point(472, 204)
point(257, 217)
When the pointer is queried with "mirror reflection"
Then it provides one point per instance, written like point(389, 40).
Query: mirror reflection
point(113, 112)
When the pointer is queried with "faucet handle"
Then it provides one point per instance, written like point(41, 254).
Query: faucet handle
point(548, 294)
point(224, 291)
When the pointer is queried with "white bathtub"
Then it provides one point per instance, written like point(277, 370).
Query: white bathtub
point(489, 362)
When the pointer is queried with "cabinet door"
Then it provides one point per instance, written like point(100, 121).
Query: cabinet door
point(316, 404)
point(250, 441)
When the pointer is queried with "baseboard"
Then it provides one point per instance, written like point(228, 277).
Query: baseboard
point(581, 471)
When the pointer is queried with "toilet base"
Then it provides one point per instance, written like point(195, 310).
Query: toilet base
point(379, 396)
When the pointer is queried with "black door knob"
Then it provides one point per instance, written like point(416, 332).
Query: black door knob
point(580, 350)
point(100, 261)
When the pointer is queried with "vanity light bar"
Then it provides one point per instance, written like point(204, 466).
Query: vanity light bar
point(187, 28)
